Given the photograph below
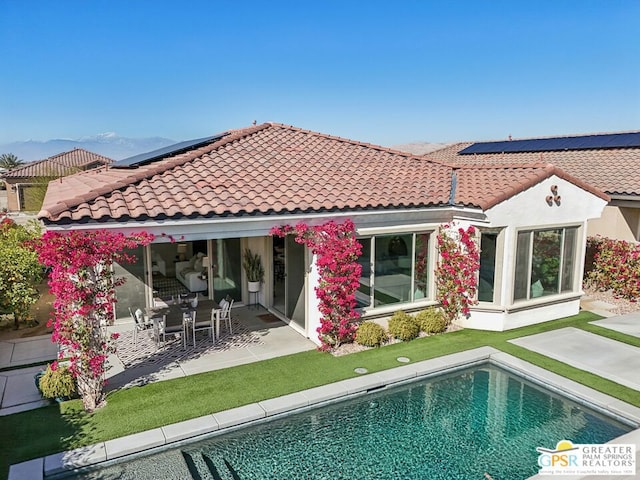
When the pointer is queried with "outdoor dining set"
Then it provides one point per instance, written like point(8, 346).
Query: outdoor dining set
point(181, 316)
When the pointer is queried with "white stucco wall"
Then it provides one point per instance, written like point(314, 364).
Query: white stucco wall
point(526, 211)
point(313, 310)
point(529, 208)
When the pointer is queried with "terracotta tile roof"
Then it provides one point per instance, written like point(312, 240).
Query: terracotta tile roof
point(487, 185)
point(59, 165)
point(613, 170)
point(274, 168)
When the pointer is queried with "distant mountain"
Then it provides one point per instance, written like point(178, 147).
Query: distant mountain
point(108, 144)
point(420, 148)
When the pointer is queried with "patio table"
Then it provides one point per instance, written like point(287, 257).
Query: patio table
point(175, 318)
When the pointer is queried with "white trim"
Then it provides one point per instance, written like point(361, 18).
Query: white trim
point(414, 228)
point(260, 225)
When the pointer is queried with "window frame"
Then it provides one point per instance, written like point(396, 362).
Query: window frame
point(498, 263)
point(428, 295)
point(562, 247)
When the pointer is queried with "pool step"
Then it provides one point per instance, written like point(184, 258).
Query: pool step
point(191, 465)
point(211, 466)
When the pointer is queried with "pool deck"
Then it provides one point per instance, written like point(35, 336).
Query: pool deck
point(172, 435)
point(607, 358)
point(610, 359)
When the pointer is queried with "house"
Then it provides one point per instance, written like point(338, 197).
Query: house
point(608, 161)
point(209, 199)
point(26, 185)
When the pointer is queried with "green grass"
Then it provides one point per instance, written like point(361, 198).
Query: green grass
point(61, 427)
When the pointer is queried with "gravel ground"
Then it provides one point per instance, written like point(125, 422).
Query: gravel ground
point(623, 306)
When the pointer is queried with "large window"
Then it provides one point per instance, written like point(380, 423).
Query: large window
point(395, 269)
point(487, 273)
point(226, 264)
point(545, 262)
point(132, 293)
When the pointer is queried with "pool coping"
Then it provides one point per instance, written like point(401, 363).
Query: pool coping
point(172, 435)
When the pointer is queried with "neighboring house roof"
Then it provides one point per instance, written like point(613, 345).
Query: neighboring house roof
point(59, 165)
point(614, 170)
point(274, 168)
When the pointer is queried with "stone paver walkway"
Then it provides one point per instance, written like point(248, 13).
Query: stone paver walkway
point(628, 324)
point(610, 359)
point(27, 351)
point(18, 390)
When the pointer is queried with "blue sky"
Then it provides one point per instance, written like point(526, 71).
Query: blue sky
point(381, 72)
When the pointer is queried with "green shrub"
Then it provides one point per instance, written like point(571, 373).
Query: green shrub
point(58, 383)
point(403, 326)
point(370, 334)
point(431, 320)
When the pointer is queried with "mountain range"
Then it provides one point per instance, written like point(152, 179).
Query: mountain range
point(420, 148)
point(116, 147)
point(108, 144)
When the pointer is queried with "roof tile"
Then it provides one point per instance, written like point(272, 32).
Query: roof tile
point(277, 168)
point(59, 165)
point(612, 170)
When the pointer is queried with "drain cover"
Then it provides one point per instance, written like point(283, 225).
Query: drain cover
point(361, 370)
point(403, 359)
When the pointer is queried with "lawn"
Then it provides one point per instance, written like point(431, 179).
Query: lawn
point(61, 427)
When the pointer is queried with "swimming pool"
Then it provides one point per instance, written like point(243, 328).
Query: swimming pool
point(454, 426)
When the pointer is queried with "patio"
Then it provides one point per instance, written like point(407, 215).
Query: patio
point(257, 335)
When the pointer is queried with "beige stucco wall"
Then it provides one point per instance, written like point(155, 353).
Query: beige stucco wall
point(622, 223)
point(12, 197)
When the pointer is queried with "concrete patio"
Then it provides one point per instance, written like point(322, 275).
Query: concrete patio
point(272, 338)
point(268, 339)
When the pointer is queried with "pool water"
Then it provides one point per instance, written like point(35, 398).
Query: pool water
point(457, 426)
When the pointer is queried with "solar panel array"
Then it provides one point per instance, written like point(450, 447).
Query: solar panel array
point(586, 142)
point(176, 148)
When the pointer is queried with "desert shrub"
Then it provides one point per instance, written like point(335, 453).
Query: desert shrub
point(370, 334)
point(431, 320)
point(57, 382)
point(403, 326)
point(613, 265)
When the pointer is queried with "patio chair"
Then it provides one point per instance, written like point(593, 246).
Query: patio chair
point(138, 323)
point(216, 315)
point(188, 319)
point(159, 329)
point(226, 313)
point(203, 325)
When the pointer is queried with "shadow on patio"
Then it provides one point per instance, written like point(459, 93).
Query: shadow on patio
point(257, 335)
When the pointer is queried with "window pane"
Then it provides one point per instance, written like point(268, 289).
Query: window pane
point(568, 259)
point(226, 263)
point(363, 295)
point(131, 294)
point(422, 266)
point(545, 263)
point(488, 243)
point(392, 281)
point(521, 280)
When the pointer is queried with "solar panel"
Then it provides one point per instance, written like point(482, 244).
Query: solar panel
point(586, 142)
point(176, 148)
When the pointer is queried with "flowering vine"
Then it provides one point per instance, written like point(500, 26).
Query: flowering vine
point(83, 283)
point(456, 273)
point(337, 252)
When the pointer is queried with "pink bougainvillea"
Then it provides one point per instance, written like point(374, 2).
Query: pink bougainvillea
point(83, 283)
point(456, 273)
point(337, 251)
